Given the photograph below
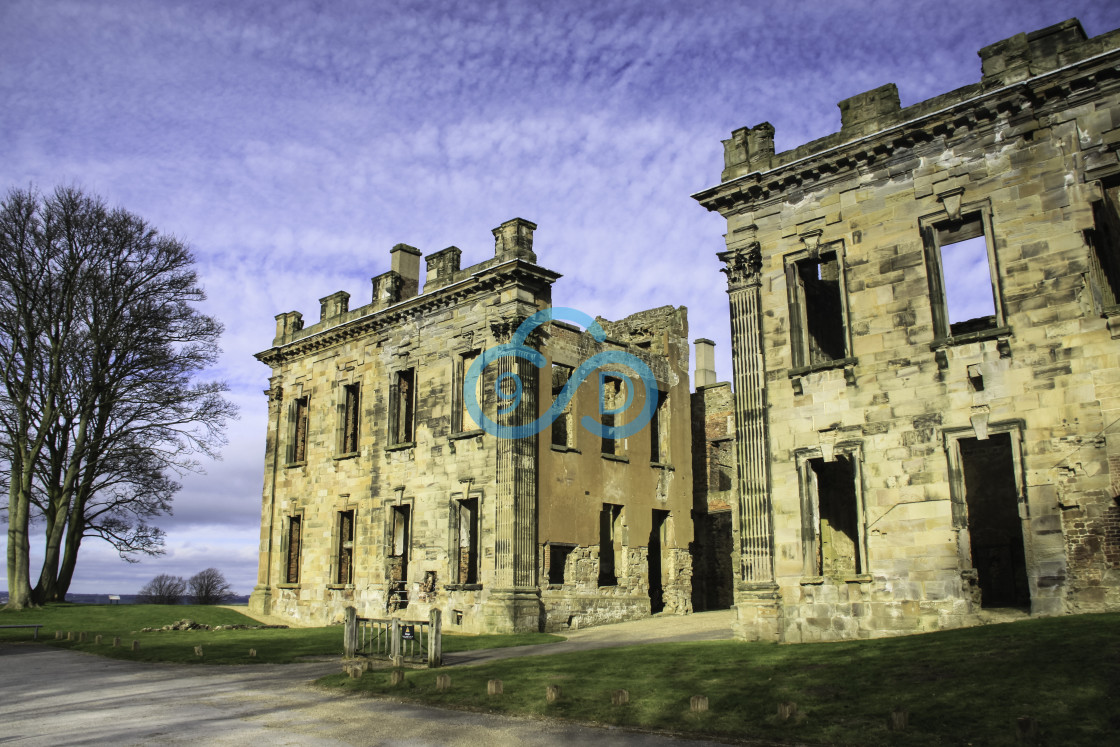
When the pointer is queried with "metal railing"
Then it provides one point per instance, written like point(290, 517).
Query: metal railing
point(399, 641)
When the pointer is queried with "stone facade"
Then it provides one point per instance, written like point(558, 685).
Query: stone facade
point(926, 364)
point(382, 493)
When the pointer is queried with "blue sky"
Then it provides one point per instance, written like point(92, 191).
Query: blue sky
point(293, 144)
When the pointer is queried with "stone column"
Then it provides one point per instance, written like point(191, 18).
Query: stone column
point(756, 595)
point(260, 600)
point(514, 604)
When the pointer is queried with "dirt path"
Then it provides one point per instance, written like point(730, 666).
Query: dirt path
point(56, 697)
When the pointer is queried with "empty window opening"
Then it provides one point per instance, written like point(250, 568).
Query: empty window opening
point(995, 528)
point(399, 541)
point(659, 431)
point(721, 460)
point(612, 399)
point(295, 538)
point(350, 420)
point(655, 555)
point(610, 544)
point(557, 562)
point(1104, 258)
point(345, 565)
point(968, 285)
point(562, 432)
point(835, 535)
point(403, 396)
point(465, 421)
point(821, 309)
point(467, 563)
point(299, 430)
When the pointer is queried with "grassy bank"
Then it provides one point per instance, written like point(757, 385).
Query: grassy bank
point(959, 687)
point(219, 646)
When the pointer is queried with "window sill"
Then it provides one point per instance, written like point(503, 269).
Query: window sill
point(826, 366)
point(341, 587)
point(977, 336)
point(663, 465)
point(348, 455)
point(292, 465)
point(566, 449)
point(401, 447)
point(859, 578)
point(465, 434)
point(614, 458)
point(287, 586)
point(554, 587)
point(462, 587)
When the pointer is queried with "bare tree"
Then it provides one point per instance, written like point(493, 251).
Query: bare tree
point(100, 342)
point(163, 589)
point(209, 587)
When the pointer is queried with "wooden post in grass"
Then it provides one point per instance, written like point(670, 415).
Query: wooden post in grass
point(97, 640)
point(552, 693)
point(900, 718)
point(443, 682)
point(116, 642)
point(699, 703)
point(58, 635)
point(787, 711)
point(136, 645)
point(81, 637)
point(620, 697)
point(350, 634)
point(1026, 730)
point(494, 687)
point(198, 651)
point(69, 635)
point(435, 638)
point(396, 677)
point(252, 653)
point(354, 672)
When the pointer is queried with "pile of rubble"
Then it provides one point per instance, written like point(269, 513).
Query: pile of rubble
point(186, 624)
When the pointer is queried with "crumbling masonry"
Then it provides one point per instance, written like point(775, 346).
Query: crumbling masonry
point(913, 447)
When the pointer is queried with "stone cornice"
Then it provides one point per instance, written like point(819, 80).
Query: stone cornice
point(982, 110)
point(513, 272)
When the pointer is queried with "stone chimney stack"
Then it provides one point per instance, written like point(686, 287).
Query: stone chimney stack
point(406, 263)
point(514, 240)
point(705, 362)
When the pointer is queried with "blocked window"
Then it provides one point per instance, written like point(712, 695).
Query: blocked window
point(659, 430)
point(345, 560)
point(402, 400)
point(832, 516)
point(298, 448)
point(1104, 255)
point(818, 315)
point(610, 544)
point(721, 462)
point(350, 419)
point(399, 541)
point(463, 420)
point(963, 275)
point(467, 545)
point(557, 561)
point(613, 397)
point(563, 433)
point(295, 543)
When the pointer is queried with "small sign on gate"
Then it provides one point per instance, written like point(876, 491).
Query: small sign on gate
point(408, 632)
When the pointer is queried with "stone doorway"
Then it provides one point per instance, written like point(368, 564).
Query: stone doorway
point(655, 556)
point(995, 528)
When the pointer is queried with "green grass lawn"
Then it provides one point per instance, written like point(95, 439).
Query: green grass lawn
point(219, 646)
point(960, 687)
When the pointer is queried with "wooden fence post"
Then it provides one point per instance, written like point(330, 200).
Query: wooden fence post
point(395, 639)
point(435, 638)
point(350, 634)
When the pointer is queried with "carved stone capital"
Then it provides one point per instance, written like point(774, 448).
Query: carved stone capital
point(743, 266)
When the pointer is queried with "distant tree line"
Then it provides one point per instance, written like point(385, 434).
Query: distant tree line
point(205, 587)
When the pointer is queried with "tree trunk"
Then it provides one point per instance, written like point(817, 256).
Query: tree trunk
point(19, 547)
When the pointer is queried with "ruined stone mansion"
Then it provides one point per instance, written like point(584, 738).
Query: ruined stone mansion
point(923, 421)
point(924, 314)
